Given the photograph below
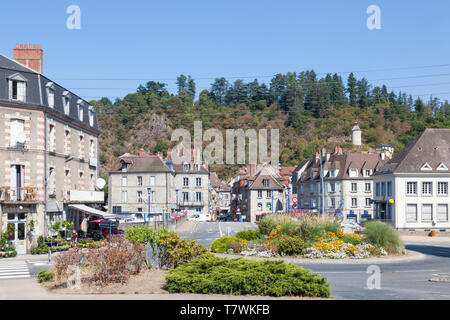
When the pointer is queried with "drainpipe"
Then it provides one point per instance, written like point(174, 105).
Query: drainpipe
point(45, 175)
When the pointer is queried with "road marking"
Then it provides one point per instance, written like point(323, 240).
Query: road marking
point(13, 270)
point(220, 230)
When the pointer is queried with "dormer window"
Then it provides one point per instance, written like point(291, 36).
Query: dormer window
point(197, 167)
point(367, 172)
point(17, 88)
point(353, 173)
point(66, 102)
point(426, 167)
point(186, 166)
point(91, 116)
point(266, 183)
point(442, 167)
point(80, 110)
point(50, 94)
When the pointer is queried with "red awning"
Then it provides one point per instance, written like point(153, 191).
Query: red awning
point(96, 221)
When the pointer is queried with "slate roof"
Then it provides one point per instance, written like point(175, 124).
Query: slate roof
point(343, 162)
point(147, 163)
point(36, 93)
point(179, 168)
point(432, 146)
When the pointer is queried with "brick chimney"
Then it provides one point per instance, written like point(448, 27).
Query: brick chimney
point(30, 56)
point(141, 153)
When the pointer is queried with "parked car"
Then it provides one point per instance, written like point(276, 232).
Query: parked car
point(200, 217)
point(351, 225)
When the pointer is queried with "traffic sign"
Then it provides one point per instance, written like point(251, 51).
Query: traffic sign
point(294, 199)
point(294, 206)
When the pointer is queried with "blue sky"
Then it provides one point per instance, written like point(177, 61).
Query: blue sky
point(155, 40)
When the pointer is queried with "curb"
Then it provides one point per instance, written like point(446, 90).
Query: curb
point(410, 256)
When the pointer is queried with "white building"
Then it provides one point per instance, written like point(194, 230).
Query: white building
point(411, 190)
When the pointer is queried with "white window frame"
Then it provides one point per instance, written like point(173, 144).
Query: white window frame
point(409, 186)
point(439, 213)
point(441, 187)
point(427, 188)
point(408, 213)
point(423, 214)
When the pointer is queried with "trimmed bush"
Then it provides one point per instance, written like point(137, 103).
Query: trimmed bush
point(44, 275)
point(384, 235)
point(249, 235)
point(221, 245)
point(213, 275)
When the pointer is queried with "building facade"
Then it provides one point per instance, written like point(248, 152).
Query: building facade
point(347, 184)
point(220, 196)
point(49, 150)
point(141, 185)
point(258, 191)
point(411, 189)
point(192, 187)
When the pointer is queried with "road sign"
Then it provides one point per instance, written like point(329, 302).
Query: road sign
point(294, 206)
point(294, 199)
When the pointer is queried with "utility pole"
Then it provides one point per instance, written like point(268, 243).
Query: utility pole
point(321, 183)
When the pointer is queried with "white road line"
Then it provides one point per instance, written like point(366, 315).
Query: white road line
point(220, 230)
point(13, 270)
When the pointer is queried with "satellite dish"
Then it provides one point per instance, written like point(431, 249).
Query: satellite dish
point(100, 183)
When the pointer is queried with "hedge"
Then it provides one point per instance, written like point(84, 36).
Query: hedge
point(213, 275)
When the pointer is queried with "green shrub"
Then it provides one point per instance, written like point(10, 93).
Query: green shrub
point(291, 246)
point(384, 235)
point(213, 275)
point(221, 245)
point(44, 275)
point(141, 234)
point(249, 235)
point(172, 250)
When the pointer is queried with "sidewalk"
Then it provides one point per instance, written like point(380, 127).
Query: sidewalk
point(424, 239)
point(29, 289)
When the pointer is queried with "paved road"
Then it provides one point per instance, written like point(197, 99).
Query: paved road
point(206, 232)
point(404, 280)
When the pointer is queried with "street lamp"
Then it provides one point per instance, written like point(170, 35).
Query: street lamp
point(176, 190)
point(288, 199)
point(272, 200)
point(149, 200)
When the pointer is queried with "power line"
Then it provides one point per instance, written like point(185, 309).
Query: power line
point(249, 77)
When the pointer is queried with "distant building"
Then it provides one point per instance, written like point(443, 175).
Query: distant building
point(220, 195)
point(347, 180)
point(49, 151)
point(129, 180)
point(356, 135)
point(411, 189)
point(258, 191)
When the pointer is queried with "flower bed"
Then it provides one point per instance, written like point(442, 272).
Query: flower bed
point(314, 239)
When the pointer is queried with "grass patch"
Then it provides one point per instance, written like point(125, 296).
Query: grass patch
point(384, 235)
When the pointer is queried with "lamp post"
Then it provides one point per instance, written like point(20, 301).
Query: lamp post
point(272, 200)
point(149, 200)
point(288, 199)
point(176, 190)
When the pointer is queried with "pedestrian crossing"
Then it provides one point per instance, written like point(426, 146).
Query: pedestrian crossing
point(14, 270)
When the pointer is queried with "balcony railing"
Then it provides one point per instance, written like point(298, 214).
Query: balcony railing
point(24, 194)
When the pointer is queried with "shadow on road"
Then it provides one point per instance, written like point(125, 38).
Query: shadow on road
point(430, 250)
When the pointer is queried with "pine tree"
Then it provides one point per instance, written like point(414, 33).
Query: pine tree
point(351, 89)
